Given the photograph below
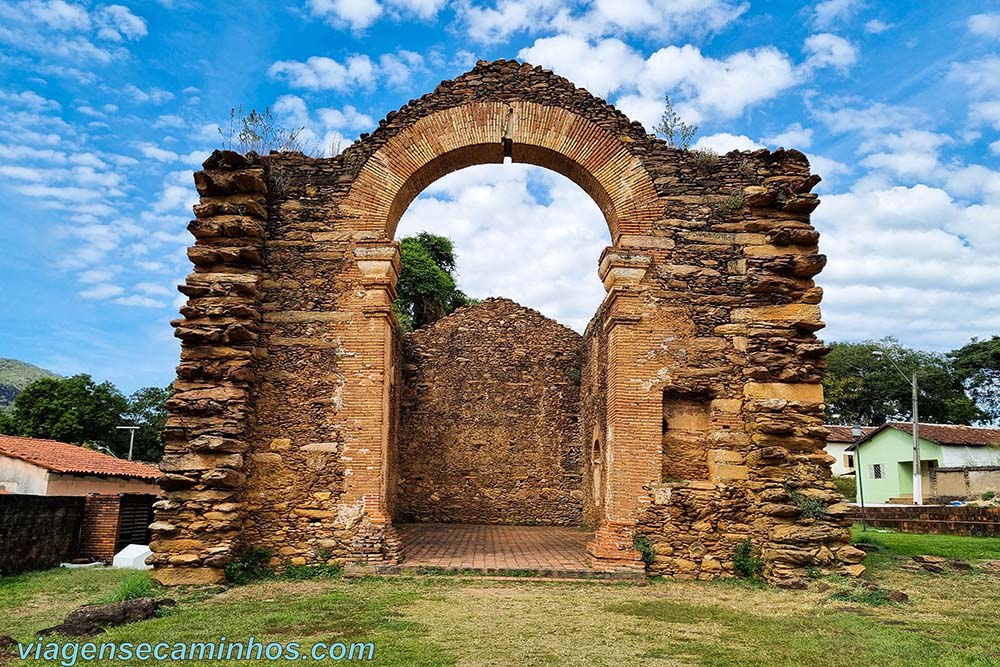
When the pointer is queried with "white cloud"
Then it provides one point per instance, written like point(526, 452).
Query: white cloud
point(995, 147)
point(170, 121)
point(827, 50)
point(57, 14)
point(154, 289)
point(985, 25)
point(178, 193)
point(102, 291)
point(986, 112)
point(321, 73)
point(397, 68)
point(723, 142)
point(140, 301)
point(154, 95)
point(490, 207)
point(910, 262)
point(909, 154)
point(830, 12)
point(877, 27)
point(842, 118)
point(356, 14)
point(717, 87)
point(347, 118)
point(981, 77)
point(660, 20)
point(793, 136)
point(154, 152)
point(601, 68)
point(117, 23)
point(30, 100)
point(699, 86)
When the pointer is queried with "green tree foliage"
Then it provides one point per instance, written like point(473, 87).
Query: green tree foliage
point(673, 128)
point(863, 388)
point(426, 290)
point(74, 409)
point(978, 367)
point(80, 411)
point(147, 410)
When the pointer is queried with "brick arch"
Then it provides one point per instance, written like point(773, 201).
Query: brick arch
point(482, 133)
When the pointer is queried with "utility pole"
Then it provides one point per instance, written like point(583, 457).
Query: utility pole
point(918, 483)
point(858, 473)
point(918, 480)
point(131, 437)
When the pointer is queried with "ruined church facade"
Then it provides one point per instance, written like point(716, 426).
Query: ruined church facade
point(699, 396)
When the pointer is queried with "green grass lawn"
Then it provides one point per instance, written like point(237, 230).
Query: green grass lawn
point(435, 620)
point(914, 544)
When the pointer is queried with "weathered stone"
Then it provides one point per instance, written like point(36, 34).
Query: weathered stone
point(294, 400)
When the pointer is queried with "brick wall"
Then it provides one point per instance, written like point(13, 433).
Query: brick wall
point(38, 532)
point(99, 531)
point(489, 430)
point(964, 520)
point(282, 426)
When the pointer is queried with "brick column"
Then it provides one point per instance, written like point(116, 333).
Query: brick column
point(368, 455)
point(99, 532)
point(634, 413)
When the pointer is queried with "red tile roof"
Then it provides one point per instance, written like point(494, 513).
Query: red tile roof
point(843, 433)
point(953, 434)
point(73, 459)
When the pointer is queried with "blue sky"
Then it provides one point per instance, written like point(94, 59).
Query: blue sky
point(106, 109)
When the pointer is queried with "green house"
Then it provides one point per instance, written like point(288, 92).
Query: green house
point(884, 464)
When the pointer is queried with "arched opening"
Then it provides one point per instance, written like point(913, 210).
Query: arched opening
point(489, 434)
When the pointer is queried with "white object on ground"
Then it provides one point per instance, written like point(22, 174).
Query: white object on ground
point(133, 557)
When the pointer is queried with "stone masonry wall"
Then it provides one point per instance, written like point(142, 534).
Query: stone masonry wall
point(489, 430)
point(702, 378)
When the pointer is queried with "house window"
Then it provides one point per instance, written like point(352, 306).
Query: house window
point(875, 471)
point(848, 460)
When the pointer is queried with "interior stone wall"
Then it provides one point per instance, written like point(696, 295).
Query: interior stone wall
point(489, 421)
point(282, 426)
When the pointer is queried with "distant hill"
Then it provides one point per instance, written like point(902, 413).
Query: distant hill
point(15, 376)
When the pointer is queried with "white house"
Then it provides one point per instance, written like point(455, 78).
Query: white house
point(33, 466)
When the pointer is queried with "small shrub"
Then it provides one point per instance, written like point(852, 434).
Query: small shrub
point(306, 572)
point(704, 159)
point(134, 586)
point(644, 546)
point(747, 169)
point(746, 562)
point(252, 565)
point(812, 508)
point(734, 202)
point(988, 495)
point(847, 487)
point(576, 374)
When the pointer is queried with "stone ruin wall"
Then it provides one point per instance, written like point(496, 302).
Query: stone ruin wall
point(489, 420)
point(281, 428)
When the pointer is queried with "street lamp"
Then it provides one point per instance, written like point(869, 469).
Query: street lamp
point(859, 473)
point(918, 495)
point(131, 437)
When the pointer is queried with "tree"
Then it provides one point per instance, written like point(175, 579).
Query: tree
point(978, 367)
point(863, 388)
point(79, 411)
point(147, 410)
point(673, 128)
point(74, 409)
point(426, 290)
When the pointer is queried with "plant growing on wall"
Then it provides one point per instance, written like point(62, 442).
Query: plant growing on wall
point(673, 128)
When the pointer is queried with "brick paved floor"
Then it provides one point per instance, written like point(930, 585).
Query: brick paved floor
point(494, 547)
